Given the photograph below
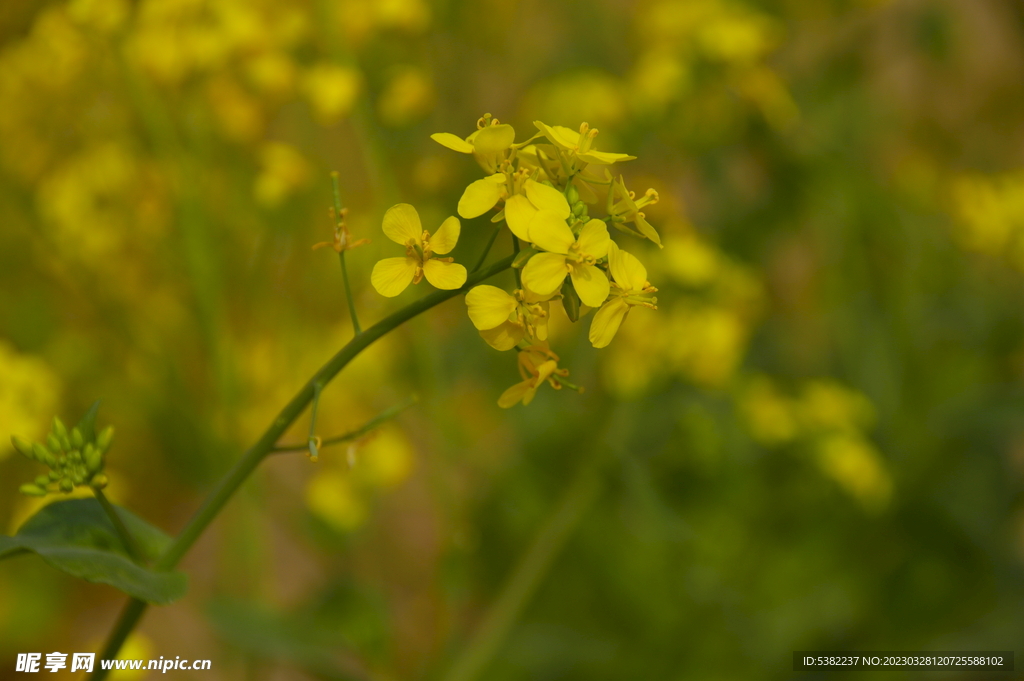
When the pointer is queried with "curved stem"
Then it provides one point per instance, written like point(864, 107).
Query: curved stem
point(244, 467)
point(515, 252)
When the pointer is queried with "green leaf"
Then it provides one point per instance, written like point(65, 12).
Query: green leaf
point(87, 425)
point(76, 537)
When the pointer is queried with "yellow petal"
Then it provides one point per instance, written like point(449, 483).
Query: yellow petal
point(543, 371)
point(515, 394)
point(607, 321)
point(545, 272)
point(590, 283)
point(646, 229)
point(547, 198)
point(594, 239)
point(604, 158)
point(444, 275)
point(548, 231)
point(504, 336)
point(494, 139)
point(402, 223)
point(391, 276)
point(489, 306)
point(563, 138)
point(628, 272)
point(453, 142)
point(480, 196)
point(447, 235)
point(518, 214)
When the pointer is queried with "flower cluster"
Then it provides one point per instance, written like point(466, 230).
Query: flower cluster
point(75, 459)
point(542, 188)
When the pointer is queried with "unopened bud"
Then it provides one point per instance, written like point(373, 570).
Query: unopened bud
point(572, 195)
point(104, 439)
point(76, 438)
point(59, 429)
point(66, 485)
point(579, 209)
point(93, 458)
point(40, 453)
point(42, 481)
point(32, 490)
point(75, 456)
point(99, 481)
point(22, 446)
point(52, 442)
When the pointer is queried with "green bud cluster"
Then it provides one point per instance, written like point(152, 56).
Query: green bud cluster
point(73, 461)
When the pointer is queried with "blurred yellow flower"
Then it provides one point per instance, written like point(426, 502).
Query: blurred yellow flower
point(402, 225)
point(331, 91)
point(283, 171)
point(408, 96)
point(579, 145)
point(858, 468)
point(29, 395)
point(489, 144)
point(568, 255)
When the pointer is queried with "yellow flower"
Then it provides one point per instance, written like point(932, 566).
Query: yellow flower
point(489, 145)
point(402, 225)
point(627, 209)
point(504, 320)
point(545, 272)
point(482, 195)
point(629, 288)
point(536, 364)
point(579, 145)
point(541, 203)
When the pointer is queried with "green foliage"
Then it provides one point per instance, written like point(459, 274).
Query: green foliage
point(75, 536)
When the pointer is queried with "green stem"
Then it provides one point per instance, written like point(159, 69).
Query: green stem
point(341, 256)
point(487, 249)
point(515, 252)
point(119, 526)
point(244, 467)
point(526, 577)
point(386, 415)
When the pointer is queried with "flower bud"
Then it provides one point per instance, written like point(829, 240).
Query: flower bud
point(104, 439)
point(579, 209)
point(59, 429)
point(75, 456)
point(570, 300)
point(65, 442)
point(32, 490)
point(93, 458)
point(77, 478)
point(99, 481)
point(572, 195)
point(22, 446)
point(54, 476)
point(76, 438)
point(42, 481)
point(52, 442)
point(66, 485)
point(41, 453)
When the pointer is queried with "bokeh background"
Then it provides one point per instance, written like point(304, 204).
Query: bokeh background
point(817, 441)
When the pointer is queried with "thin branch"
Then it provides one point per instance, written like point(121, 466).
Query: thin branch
point(341, 256)
point(386, 415)
point(487, 249)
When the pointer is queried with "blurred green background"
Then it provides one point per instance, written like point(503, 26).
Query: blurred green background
point(817, 441)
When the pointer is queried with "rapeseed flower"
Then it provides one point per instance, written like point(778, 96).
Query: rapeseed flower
point(402, 225)
point(536, 364)
point(569, 255)
point(630, 288)
point(489, 145)
point(579, 145)
point(627, 209)
point(540, 203)
point(505, 320)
